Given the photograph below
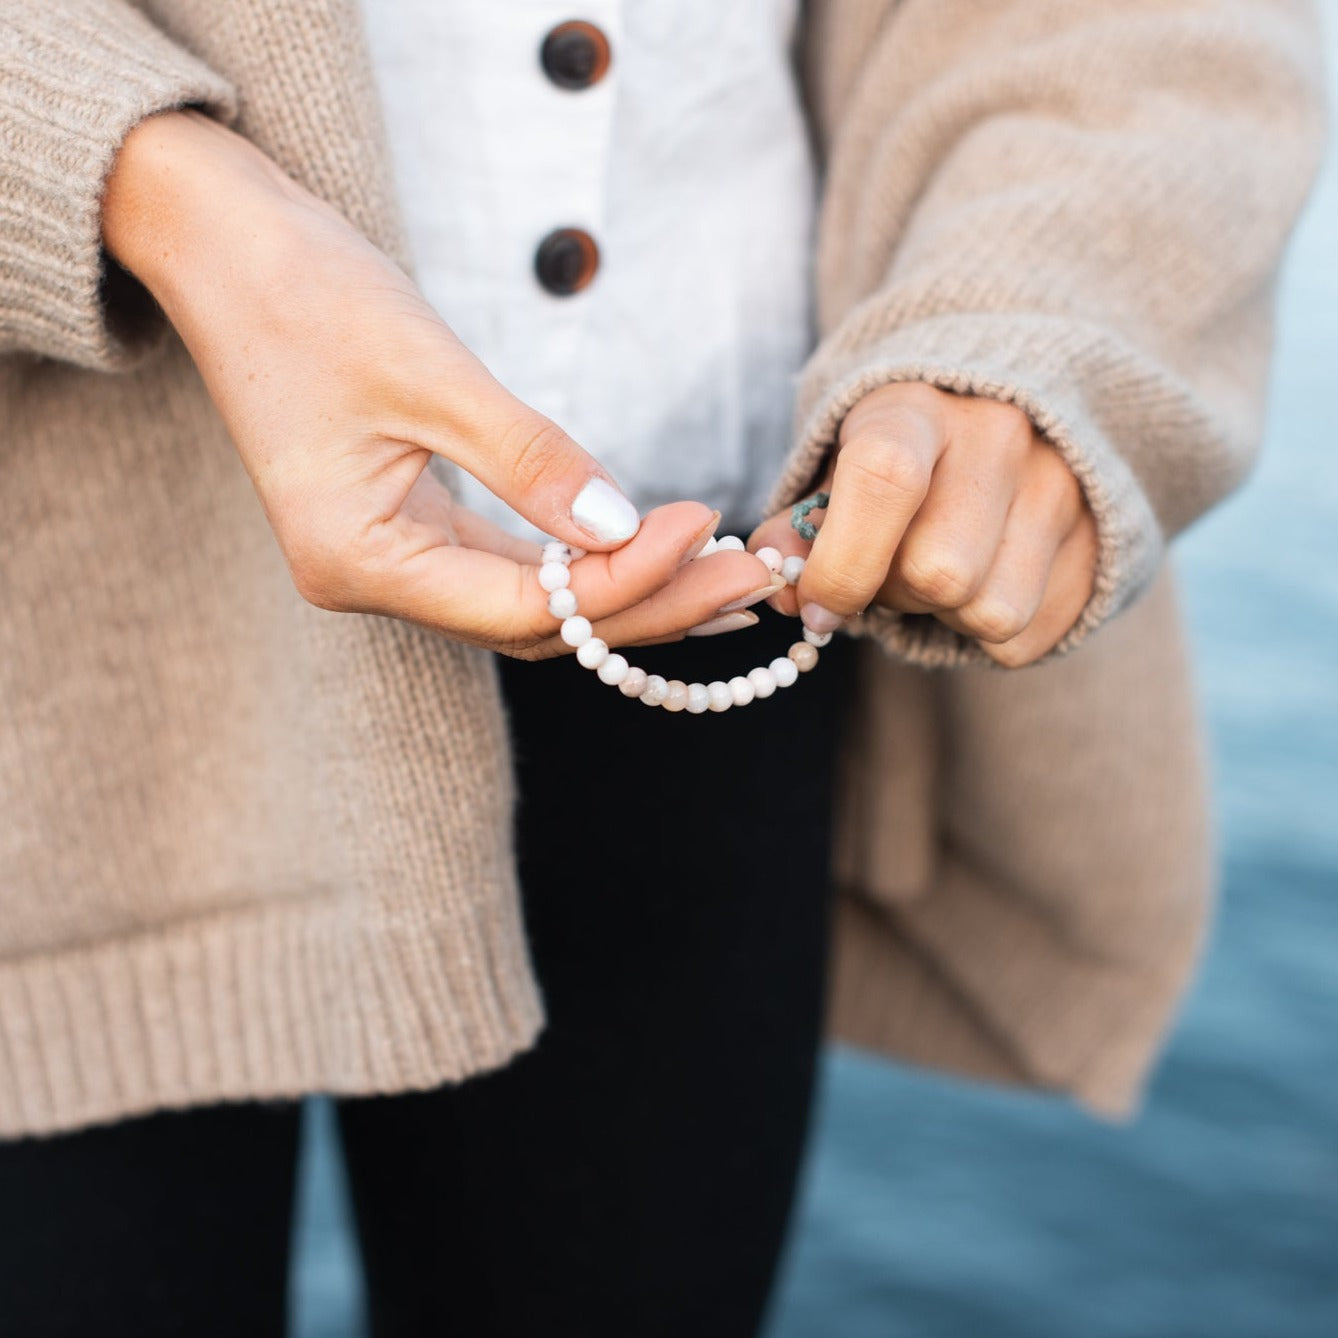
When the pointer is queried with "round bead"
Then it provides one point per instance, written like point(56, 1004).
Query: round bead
point(576, 631)
point(763, 681)
point(593, 653)
point(709, 547)
point(699, 699)
point(784, 671)
point(554, 575)
point(730, 543)
point(574, 553)
point(721, 697)
point(615, 668)
point(656, 690)
point(818, 639)
point(804, 656)
point(675, 695)
point(792, 569)
point(635, 683)
point(555, 551)
point(773, 557)
point(562, 603)
point(741, 690)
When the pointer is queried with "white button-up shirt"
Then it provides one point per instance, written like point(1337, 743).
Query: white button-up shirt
point(687, 162)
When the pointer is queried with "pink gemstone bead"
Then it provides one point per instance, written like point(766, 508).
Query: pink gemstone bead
point(804, 656)
point(741, 690)
point(635, 682)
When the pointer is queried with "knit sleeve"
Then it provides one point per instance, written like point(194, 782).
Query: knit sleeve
point(1075, 206)
point(75, 77)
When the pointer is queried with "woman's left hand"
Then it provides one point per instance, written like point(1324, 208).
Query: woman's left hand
point(949, 505)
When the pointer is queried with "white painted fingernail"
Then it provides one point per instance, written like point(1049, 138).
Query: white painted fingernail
point(729, 622)
point(604, 513)
point(820, 620)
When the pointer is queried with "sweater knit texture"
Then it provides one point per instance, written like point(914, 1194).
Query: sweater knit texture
point(251, 849)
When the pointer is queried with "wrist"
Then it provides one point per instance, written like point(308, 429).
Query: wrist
point(180, 184)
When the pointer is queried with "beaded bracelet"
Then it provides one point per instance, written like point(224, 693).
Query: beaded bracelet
point(673, 694)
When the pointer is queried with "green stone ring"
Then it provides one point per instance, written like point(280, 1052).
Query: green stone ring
point(799, 521)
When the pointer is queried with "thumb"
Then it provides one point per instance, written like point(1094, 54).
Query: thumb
point(540, 472)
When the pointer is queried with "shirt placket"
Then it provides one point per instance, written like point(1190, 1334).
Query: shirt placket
point(557, 247)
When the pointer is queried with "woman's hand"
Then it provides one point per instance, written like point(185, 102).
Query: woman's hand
point(339, 384)
point(948, 505)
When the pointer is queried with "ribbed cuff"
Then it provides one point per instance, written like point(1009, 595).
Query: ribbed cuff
point(75, 78)
point(272, 1002)
point(1072, 384)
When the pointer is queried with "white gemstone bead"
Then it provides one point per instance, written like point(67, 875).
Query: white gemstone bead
point(556, 551)
point(554, 575)
point(721, 697)
point(741, 690)
point(593, 653)
point(784, 671)
point(792, 569)
point(709, 547)
point(575, 553)
point(699, 699)
point(615, 668)
point(773, 557)
point(635, 683)
point(576, 631)
point(656, 690)
point(675, 695)
point(562, 603)
point(730, 543)
point(818, 639)
point(804, 656)
point(763, 681)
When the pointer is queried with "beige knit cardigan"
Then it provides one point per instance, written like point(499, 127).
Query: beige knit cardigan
point(252, 849)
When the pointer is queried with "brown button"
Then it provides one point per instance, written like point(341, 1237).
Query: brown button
point(566, 261)
point(575, 54)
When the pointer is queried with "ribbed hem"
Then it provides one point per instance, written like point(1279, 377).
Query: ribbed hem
point(269, 1003)
point(75, 78)
point(1041, 365)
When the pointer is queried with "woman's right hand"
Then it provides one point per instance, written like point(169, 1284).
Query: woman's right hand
point(338, 384)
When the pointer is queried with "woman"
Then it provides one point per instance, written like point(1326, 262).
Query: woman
point(256, 847)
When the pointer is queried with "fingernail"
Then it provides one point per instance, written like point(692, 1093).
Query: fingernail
point(820, 620)
point(746, 601)
point(604, 513)
point(702, 539)
point(729, 622)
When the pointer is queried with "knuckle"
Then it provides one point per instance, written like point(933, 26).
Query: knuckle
point(942, 579)
point(1008, 420)
point(1013, 655)
point(994, 620)
point(886, 465)
point(1062, 495)
point(538, 451)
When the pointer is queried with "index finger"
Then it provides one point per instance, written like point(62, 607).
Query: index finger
point(881, 477)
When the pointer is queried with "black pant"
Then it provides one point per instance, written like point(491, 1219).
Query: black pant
point(630, 1176)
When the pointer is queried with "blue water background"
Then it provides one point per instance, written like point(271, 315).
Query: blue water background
point(942, 1210)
